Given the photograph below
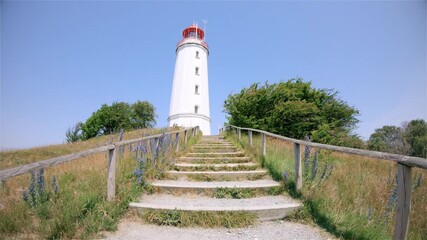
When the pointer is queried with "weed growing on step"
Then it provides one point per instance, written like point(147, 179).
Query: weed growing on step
point(215, 168)
point(254, 177)
point(238, 193)
point(198, 219)
point(235, 193)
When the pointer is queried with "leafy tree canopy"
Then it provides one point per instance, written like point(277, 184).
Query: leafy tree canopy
point(387, 139)
point(294, 109)
point(410, 139)
point(416, 137)
point(110, 119)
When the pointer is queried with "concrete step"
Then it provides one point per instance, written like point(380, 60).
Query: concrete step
point(213, 146)
point(208, 188)
point(266, 207)
point(213, 150)
point(230, 154)
point(217, 175)
point(221, 166)
point(214, 160)
point(214, 143)
point(213, 138)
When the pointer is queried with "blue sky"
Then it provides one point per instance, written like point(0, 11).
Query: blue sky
point(61, 60)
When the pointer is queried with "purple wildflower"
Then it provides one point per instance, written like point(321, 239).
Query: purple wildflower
point(285, 176)
point(325, 169)
point(40, 181)
point(25, 197)
point(315, 165)
point(417, 184)
point(307, 150)
point(370, 213)
point(55, 185)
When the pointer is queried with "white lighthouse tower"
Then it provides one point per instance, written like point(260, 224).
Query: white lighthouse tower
point(189, 104)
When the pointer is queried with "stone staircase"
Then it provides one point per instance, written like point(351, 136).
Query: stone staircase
point(213, 166)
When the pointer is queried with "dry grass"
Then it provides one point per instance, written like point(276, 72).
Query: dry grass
point(80, 210)
point(199, 219)
point(9, 159)
point(342, 202)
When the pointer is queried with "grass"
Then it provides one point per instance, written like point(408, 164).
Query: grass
point(215, 168)
point(9, 159)
point(80, 209)
point(207, 178)
point(352, 201)
point(200, 219)
point(220, 161)
point(238, 193)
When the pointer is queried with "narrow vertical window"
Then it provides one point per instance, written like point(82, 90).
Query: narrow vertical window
point(197, 54)
point(197, 71)
point(196, 89)
point(196, 109)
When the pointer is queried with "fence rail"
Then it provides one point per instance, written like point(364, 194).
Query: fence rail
point(404, 170)
point(111, 149)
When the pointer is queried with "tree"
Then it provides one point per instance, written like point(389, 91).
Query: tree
point(120, 115)
point(388, 139)
point(410, 139)
point(144, 115)
point(293, 109)
point(416, 136)
point(74, 133)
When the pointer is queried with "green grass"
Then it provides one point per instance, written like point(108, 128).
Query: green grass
point(207, 178)
point(220, 161)
point(213, 168)
point(342, 201)
point(238, 193)
point(80, 209)
point(198, 219)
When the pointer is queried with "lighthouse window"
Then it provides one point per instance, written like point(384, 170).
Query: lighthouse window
point(197, 71)
point(197, 54)
point(196, 109)
point(196, 89)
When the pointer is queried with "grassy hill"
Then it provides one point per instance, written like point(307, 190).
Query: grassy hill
point(352, 197)
point(73, 200)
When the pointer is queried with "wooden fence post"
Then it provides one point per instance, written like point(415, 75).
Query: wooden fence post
point(298, 167)
point(403, 206)
point(177, 142)
point(239, 133)
point(185, 136)
point(250, 138)
point(111, 178)
point(264, 144)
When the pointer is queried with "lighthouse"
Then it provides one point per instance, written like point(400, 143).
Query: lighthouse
point(189, 104)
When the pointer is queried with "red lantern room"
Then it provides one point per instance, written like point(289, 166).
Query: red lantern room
point(193, 32)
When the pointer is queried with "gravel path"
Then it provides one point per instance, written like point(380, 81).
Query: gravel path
point(269, 230)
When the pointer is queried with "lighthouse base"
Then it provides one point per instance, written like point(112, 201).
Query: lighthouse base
point(191, 120)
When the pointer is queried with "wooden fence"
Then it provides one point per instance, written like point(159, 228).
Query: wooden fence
point(112, 152)
point(404, 170)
